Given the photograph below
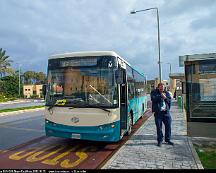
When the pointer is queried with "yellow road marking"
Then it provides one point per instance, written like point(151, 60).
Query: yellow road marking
point(55, 160)
point(66, 163)
point(35, 158)
point(18, 155)
point(80, 154)
point(34, 154)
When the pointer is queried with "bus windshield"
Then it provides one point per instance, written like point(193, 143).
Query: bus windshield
point(82, 83)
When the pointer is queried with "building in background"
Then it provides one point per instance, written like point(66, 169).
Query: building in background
point(150, 85)
point(176, 83)
point(32, 91)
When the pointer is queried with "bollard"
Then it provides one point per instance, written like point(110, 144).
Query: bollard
point(182, 103)
point(179, 101)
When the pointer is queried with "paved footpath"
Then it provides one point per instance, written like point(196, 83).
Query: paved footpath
point(141, 150)
point(15, 101)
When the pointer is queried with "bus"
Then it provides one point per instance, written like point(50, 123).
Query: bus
point(93, 95)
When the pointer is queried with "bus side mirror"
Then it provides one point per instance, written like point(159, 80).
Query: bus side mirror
point(44, 90)
point(120, 76)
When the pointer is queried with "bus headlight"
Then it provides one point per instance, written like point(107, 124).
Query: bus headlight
point(113, 125)
point(114, 117)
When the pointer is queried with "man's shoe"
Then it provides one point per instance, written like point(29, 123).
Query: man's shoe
point(159, 144)
point(170, 143)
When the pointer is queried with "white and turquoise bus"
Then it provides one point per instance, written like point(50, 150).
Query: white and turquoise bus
point(94, 95)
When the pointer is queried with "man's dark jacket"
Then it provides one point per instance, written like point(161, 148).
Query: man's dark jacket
point(157, 101)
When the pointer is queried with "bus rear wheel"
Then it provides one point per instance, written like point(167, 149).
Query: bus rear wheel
point(130, 125)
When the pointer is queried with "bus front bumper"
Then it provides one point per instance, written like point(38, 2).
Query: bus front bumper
point(106, 132)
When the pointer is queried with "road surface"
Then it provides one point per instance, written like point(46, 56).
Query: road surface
point(22, 103)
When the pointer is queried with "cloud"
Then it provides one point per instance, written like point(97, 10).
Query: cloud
point(181, 7)
point(206, 21)
point(31, 31)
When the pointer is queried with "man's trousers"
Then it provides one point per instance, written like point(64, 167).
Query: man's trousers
point(166, 119)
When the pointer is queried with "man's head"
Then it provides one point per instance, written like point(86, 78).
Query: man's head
point(161, 87)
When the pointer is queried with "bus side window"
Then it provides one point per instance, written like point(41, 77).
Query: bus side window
point(136, 83)
point(130, 81)
point(130, 90)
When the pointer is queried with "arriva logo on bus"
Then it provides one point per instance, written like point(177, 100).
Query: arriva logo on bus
point(75, 119)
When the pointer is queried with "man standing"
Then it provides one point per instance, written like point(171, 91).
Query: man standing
point(161, 103)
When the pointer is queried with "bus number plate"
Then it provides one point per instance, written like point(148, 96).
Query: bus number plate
point(75, 136)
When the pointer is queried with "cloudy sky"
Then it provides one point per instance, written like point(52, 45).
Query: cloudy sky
point(32, 30)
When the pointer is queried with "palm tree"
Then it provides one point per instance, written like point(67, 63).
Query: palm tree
point(5, 63)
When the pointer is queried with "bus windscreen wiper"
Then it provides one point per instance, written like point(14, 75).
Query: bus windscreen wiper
point(103, 108)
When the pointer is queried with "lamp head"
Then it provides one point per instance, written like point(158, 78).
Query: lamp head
point(133, 12)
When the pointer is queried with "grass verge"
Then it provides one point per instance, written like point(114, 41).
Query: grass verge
point(21, 108)
point(3, 99)
point(207, 155)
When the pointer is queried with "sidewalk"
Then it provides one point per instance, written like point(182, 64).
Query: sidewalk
point(15, 101)
point(22, 101)
point(19, 115)
point(141, 150)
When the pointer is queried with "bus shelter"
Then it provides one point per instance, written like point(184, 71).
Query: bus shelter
point(200, 88)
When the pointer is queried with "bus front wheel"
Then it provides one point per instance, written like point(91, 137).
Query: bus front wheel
point(130, 125)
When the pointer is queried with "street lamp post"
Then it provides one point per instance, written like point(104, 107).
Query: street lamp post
point(170, 67)
point(19, 73)
point(159, 59)
point(19, 78)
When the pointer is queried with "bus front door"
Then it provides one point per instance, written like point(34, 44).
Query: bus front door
point(123, 108)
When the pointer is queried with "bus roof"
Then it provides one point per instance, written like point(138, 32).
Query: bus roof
point(83, 53)
point(87, 53)
point(90, 53)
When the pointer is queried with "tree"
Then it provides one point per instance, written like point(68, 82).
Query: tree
point(40, 78)
point(32, 77)
point(5, 63)
point(29, 77)
point(9, 85)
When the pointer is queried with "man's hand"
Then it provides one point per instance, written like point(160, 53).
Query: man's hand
point(163, 95)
